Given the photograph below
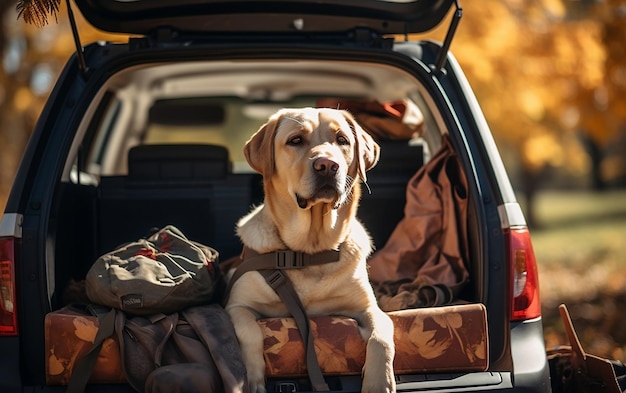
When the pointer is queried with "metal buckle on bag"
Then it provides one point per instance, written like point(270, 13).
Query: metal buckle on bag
point(288, 259)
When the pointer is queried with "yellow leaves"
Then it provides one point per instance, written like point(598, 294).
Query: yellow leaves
point(86, 329)
point(423, 341)
point(354, 347)
point(330, 357)
point(532, 105)
point(451, 320)
point(554, 8)
point(530, 64)
point(338, 345)
point(454, 322)
point(281, 329)
point(441, 336)
point(341, 321)
point(479, 350)
point(56, 366)
point(22, 99)
point(283, 350)
point(438, 338)
point(61, 45)
point(541, 149)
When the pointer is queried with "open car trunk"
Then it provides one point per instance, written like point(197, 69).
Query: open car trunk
point(136, 167)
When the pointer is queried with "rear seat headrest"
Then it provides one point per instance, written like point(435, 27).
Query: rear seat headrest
point(178, 162)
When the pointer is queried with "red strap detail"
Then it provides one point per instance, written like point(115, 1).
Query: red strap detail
point(146, 252)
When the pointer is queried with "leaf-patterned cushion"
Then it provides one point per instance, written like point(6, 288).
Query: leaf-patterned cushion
point(434, 339)
point(450, 338)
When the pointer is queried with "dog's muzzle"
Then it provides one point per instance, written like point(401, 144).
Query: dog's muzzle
point(328, 183)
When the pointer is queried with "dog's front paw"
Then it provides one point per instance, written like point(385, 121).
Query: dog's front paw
point(378, 387)
point(256, 383)
point(257, 387)
point(378, 382)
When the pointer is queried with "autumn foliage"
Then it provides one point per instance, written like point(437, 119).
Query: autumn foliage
point(550, 76)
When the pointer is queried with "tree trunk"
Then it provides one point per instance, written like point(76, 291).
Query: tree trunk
point(530, 185)
point(596, 155)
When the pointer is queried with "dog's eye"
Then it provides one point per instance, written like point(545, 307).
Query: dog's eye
point(294, 141)
point(342, 140)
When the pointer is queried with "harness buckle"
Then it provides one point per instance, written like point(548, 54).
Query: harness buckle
point(288, 259)
point(275, 278)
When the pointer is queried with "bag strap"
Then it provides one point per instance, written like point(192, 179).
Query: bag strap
point(284, 288)
point(169, 321)
point(215, 329)
point(84, 368)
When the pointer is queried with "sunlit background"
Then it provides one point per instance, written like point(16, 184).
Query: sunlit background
point(550, 76)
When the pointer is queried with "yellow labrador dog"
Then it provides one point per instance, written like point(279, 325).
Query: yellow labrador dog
point(312, 162)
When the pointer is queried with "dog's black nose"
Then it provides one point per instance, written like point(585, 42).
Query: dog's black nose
point(325, 166)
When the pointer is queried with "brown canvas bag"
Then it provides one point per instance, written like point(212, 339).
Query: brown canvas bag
point(423, 263)
point(194, 350)
point(155, 296)
point(201, 338)
point(164, 273)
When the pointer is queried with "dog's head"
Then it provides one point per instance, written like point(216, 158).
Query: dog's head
point(312, 155)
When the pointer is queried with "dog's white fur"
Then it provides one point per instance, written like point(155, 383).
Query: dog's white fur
point(308, 212)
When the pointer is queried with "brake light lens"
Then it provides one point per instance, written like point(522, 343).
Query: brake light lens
point(525, 280)
point(8, 318)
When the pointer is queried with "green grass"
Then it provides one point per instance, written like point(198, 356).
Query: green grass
point(580, 245)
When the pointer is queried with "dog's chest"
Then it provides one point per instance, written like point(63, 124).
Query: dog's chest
point(325, 291)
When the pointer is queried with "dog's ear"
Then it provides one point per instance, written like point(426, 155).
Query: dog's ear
point(259, 149)
point(366, 150)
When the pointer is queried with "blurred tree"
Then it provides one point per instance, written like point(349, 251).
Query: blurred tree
point(32, 56)
point(544, 71)
point(603, 106)
point(527, 61)
point(16, 99)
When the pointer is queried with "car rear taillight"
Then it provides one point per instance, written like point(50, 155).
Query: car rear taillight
point(8, 318)
point(525, 281)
